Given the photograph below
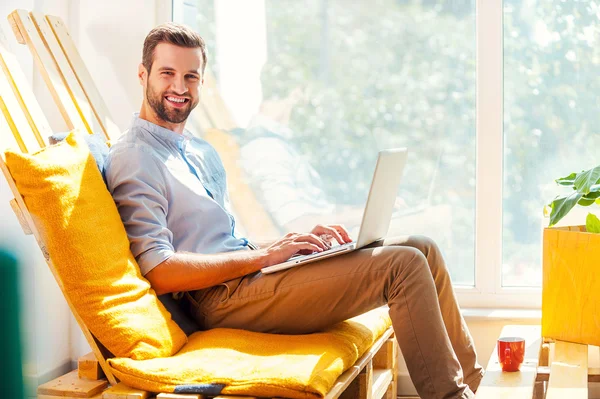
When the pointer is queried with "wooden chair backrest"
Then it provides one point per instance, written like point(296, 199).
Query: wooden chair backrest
point(30, 131)
point(64, 72)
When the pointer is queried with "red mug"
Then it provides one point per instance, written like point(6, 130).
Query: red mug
point(511, 352)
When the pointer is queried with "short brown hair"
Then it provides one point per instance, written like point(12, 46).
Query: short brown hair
point(179, 35)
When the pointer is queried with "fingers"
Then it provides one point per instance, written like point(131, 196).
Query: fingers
point(315, 240)
point(342, 232)
point(307, 238)
point(337, 231)
point(306, 246)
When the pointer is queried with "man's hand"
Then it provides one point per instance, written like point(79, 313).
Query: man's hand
point(292, 243)
point(332, 231)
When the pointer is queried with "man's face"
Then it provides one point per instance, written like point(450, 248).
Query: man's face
point(172, 88)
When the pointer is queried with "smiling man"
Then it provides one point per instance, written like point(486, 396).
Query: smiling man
point(171, 192)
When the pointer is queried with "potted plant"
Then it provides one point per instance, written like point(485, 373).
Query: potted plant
point(571, 282)
point(586, 191)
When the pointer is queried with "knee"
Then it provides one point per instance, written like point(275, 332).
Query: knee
point(425, 244)
point(407, 260)
point(432, 252)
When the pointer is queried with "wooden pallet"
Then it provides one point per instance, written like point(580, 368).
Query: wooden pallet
point(373, 376)
point(551, 369)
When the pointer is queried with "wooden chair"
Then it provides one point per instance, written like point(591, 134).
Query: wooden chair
point(373, 376)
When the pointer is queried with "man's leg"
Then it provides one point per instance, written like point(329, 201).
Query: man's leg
point(312, 297)
point(457, 329)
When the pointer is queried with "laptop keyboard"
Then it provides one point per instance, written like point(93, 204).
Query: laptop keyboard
point(334, 248)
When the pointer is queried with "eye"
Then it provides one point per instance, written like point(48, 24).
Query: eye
point(192, 77)
point(169, 73)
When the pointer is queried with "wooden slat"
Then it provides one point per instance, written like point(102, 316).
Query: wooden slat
point(24, 96)
point(98, 396)
point(178, 396)
point(392, 391)
point(362, 385)
point(21, 20)
point(20, 217)
point(515, 385)
point(346, 378)
point(15, 118)
point(384, 359)
point(122, 391)
point(545, 354)
point(71, 385)
point(381, 381)
point(543, 374)
point(234, 397)
point(69, 79)
point(213, 104)
point(539, 391)
point(86, 332)
point(568, 372)
point(199, 122)
point(107, 124)
point(89, 367)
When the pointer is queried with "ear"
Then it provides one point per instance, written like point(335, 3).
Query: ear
point(142, 74)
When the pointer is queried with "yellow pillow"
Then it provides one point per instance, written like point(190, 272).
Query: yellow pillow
point(236, 362)
point(87, 244)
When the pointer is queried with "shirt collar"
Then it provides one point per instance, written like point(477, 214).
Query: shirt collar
point(164, 133)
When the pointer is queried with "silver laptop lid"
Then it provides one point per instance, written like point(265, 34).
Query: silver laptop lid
point(382, 196)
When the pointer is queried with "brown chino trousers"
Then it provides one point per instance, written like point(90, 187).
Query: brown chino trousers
point(406, 273)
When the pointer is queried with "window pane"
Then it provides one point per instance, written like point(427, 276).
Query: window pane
point(551, 118)
point(336, 82)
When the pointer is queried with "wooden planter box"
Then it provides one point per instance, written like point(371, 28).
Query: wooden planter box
point(571, 286)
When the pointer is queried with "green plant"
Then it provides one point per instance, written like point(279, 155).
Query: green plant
point(586, 191)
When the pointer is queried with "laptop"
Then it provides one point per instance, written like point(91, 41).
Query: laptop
point(376, 216)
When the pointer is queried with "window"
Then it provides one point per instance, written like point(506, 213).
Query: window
point(551, 118)
point(493, 106)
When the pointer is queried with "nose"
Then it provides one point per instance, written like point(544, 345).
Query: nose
point(178, 85)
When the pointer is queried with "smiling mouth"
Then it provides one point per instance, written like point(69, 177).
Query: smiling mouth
point(177, 101)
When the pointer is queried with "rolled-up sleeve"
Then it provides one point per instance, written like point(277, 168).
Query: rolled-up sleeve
point(136, 181)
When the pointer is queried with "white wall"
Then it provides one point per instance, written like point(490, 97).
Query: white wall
point(109, 35)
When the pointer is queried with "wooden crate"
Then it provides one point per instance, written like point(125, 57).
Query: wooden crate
point(551, 369)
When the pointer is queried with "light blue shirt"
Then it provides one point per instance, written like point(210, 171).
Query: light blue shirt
point(171, 192)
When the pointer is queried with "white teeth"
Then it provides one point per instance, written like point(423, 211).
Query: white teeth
point(176, 100)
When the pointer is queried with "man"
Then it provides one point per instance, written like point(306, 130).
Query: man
point(171, 193)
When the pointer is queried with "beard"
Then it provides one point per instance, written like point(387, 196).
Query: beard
point(169, 114)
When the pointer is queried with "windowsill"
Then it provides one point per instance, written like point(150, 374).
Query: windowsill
point(494, 314)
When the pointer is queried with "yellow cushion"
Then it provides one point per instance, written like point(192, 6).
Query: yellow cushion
point(87, 244)
point(237, 362)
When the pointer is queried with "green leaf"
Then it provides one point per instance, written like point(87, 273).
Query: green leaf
point(592, 195)
point(586, 179)
point(595, 188)
point(585, 201)
point(562, 205)
point(592, 223)
point(568, 180)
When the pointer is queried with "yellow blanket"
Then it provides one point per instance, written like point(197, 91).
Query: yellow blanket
point(237, 362)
